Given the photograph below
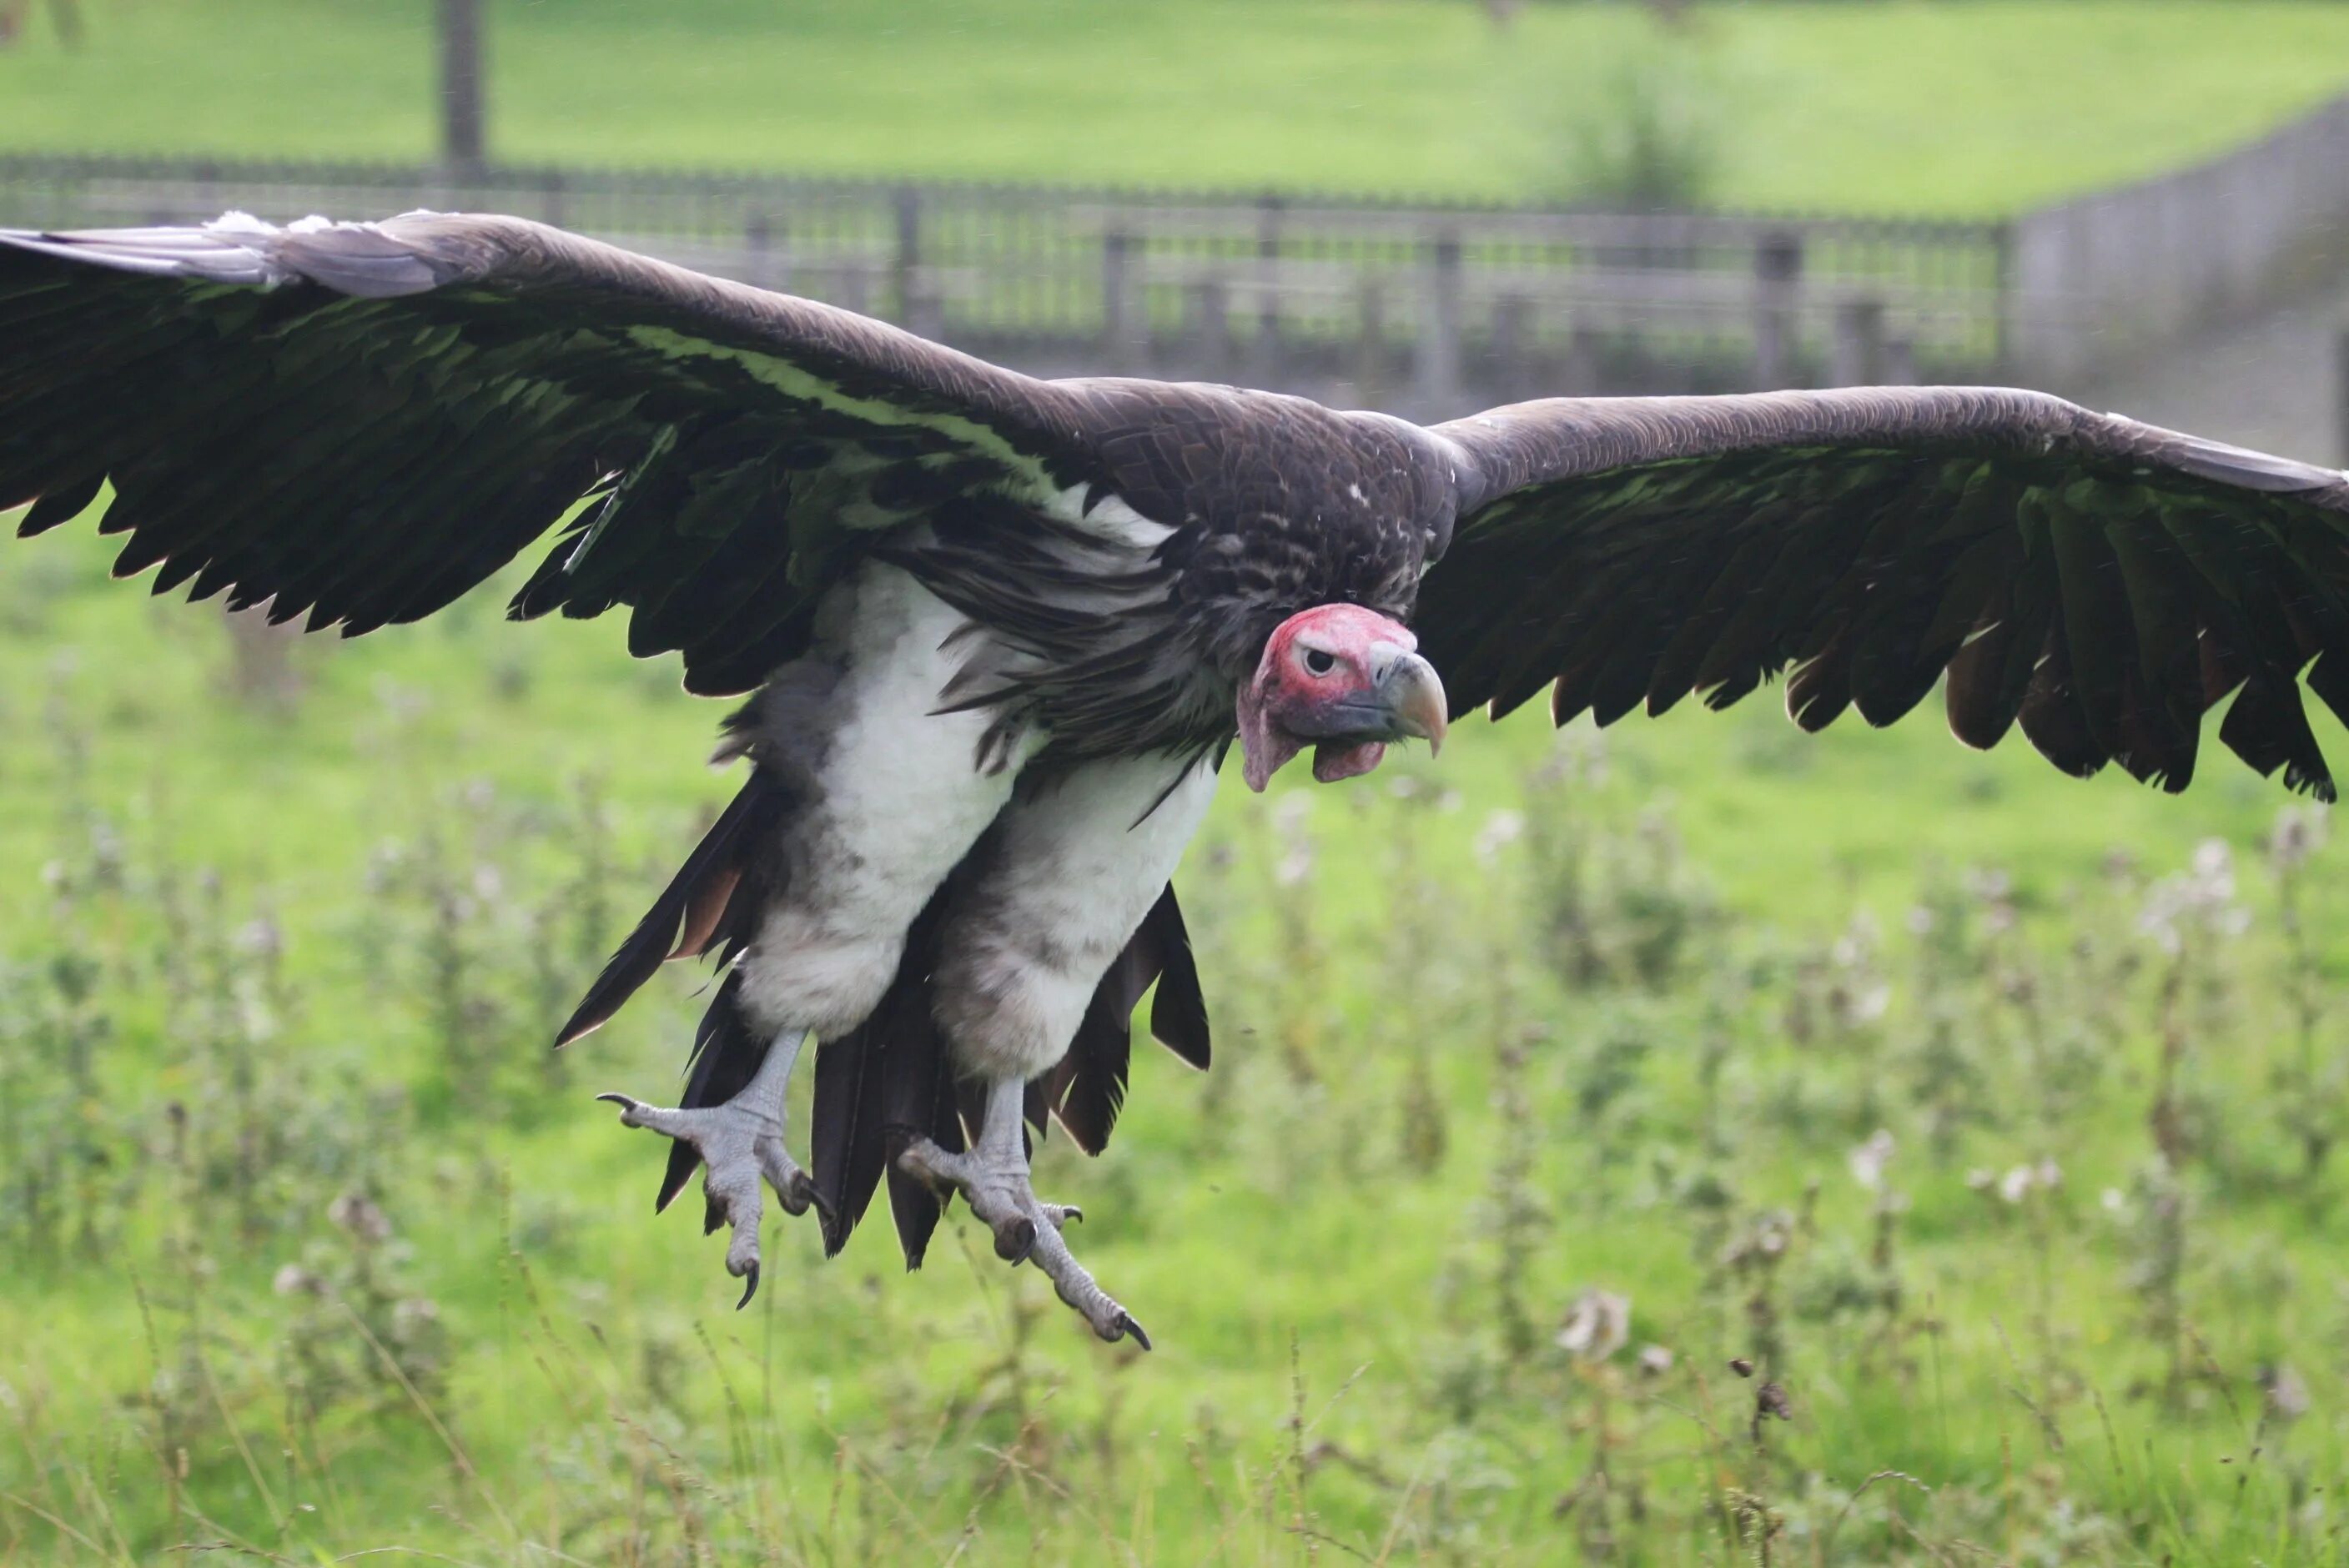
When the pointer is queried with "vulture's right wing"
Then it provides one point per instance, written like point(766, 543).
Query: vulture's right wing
point(358, 422)
point(2104, 582)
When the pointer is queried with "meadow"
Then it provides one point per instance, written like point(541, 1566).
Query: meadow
point(1988, 1119)
point(1692, 1142)
point(1979, 108)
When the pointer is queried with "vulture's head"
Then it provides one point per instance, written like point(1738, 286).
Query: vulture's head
point(1343, 680)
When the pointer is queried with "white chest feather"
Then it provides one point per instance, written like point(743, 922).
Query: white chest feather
point(1061, 888)
point(899, 801)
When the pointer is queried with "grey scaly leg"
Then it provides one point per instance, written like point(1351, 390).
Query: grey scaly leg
point(739, 1141)
point(993, 1179)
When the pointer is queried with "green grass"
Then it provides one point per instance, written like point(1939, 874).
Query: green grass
point(251, 962)
point(1960, 109)
point(423, 805)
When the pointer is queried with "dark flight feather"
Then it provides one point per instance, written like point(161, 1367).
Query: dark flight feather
point(2102, 581)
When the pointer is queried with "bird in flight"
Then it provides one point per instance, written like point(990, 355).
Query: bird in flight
point(998, 635)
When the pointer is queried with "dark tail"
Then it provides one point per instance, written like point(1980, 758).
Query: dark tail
point(890, 1081)
point(1088, 1089)
point(712, 899)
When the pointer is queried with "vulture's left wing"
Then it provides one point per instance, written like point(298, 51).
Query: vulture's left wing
point(359, 421)
point(2104, 582)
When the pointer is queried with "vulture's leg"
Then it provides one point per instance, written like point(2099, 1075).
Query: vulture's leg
point(739, 1143)
point(993, 1179)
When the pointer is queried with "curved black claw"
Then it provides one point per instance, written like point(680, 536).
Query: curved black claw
point(1015, 1241)
point(1125, 1325)
point(740, 1147)
point(799, 1193)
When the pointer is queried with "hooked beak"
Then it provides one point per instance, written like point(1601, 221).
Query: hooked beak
point(1412, 695)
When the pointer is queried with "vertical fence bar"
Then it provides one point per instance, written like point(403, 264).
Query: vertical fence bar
point(1856, 359)
point(462, 131)
point(1206, 323)
point(1436, 376)
point(2341, 394)
point(1777, 279)
point(1126, 330)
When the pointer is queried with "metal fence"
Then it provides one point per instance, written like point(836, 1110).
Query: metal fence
point(1425, 309)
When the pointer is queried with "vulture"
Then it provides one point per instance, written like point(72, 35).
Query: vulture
point(997, 634)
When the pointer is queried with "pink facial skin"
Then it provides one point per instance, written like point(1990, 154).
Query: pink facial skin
point(1344, 680)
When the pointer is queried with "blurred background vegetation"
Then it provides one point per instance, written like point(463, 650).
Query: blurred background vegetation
point(1697, 1142)
point(1974, 108)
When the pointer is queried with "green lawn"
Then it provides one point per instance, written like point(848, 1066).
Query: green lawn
point(308, 1248)
point(251, 962)
point(1960, 107)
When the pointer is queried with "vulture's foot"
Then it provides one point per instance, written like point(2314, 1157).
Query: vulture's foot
point(993, 1179)
point(739, 1143)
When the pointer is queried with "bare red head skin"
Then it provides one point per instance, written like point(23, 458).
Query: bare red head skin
point(1344, 680)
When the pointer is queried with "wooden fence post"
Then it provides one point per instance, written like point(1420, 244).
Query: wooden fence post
point(1585, 375)
point(1267, 271)
point(1126, 331)
point(463, 137)
point(1857, 358)
point(915, 302)
point(1513, 319)
point(1777, 275)
point(1206, 305)
point(1900, 361)
point(1436, 376)
point(1371, 345)
point(2341, 394)
point(758, 250)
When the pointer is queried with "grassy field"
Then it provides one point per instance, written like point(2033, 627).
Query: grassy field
point(1973, 107)
point(1994, 1119)
point(312, 1249)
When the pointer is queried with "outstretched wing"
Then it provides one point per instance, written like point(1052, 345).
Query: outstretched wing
point(2104, 582)
point(358, 422)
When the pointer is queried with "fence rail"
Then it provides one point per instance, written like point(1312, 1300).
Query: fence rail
point(1425, 308)
point(1428, 309)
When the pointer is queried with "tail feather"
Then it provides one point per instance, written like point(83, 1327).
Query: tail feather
point(1178, 1013)
point(920, 1101)
point(888, 1075)
point(700, 908)
point(1087, 1091)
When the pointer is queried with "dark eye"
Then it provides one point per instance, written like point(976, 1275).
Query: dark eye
point(1319, 661)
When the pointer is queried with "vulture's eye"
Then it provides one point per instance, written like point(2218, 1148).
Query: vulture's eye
point(1319, 661)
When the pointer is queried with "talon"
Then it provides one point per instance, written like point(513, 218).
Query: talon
point(1015, 1240)
point(992, 1177)
point(741, 1147)
point(796, 1194)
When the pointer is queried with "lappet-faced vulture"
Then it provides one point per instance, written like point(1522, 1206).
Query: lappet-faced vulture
point(999, 633)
